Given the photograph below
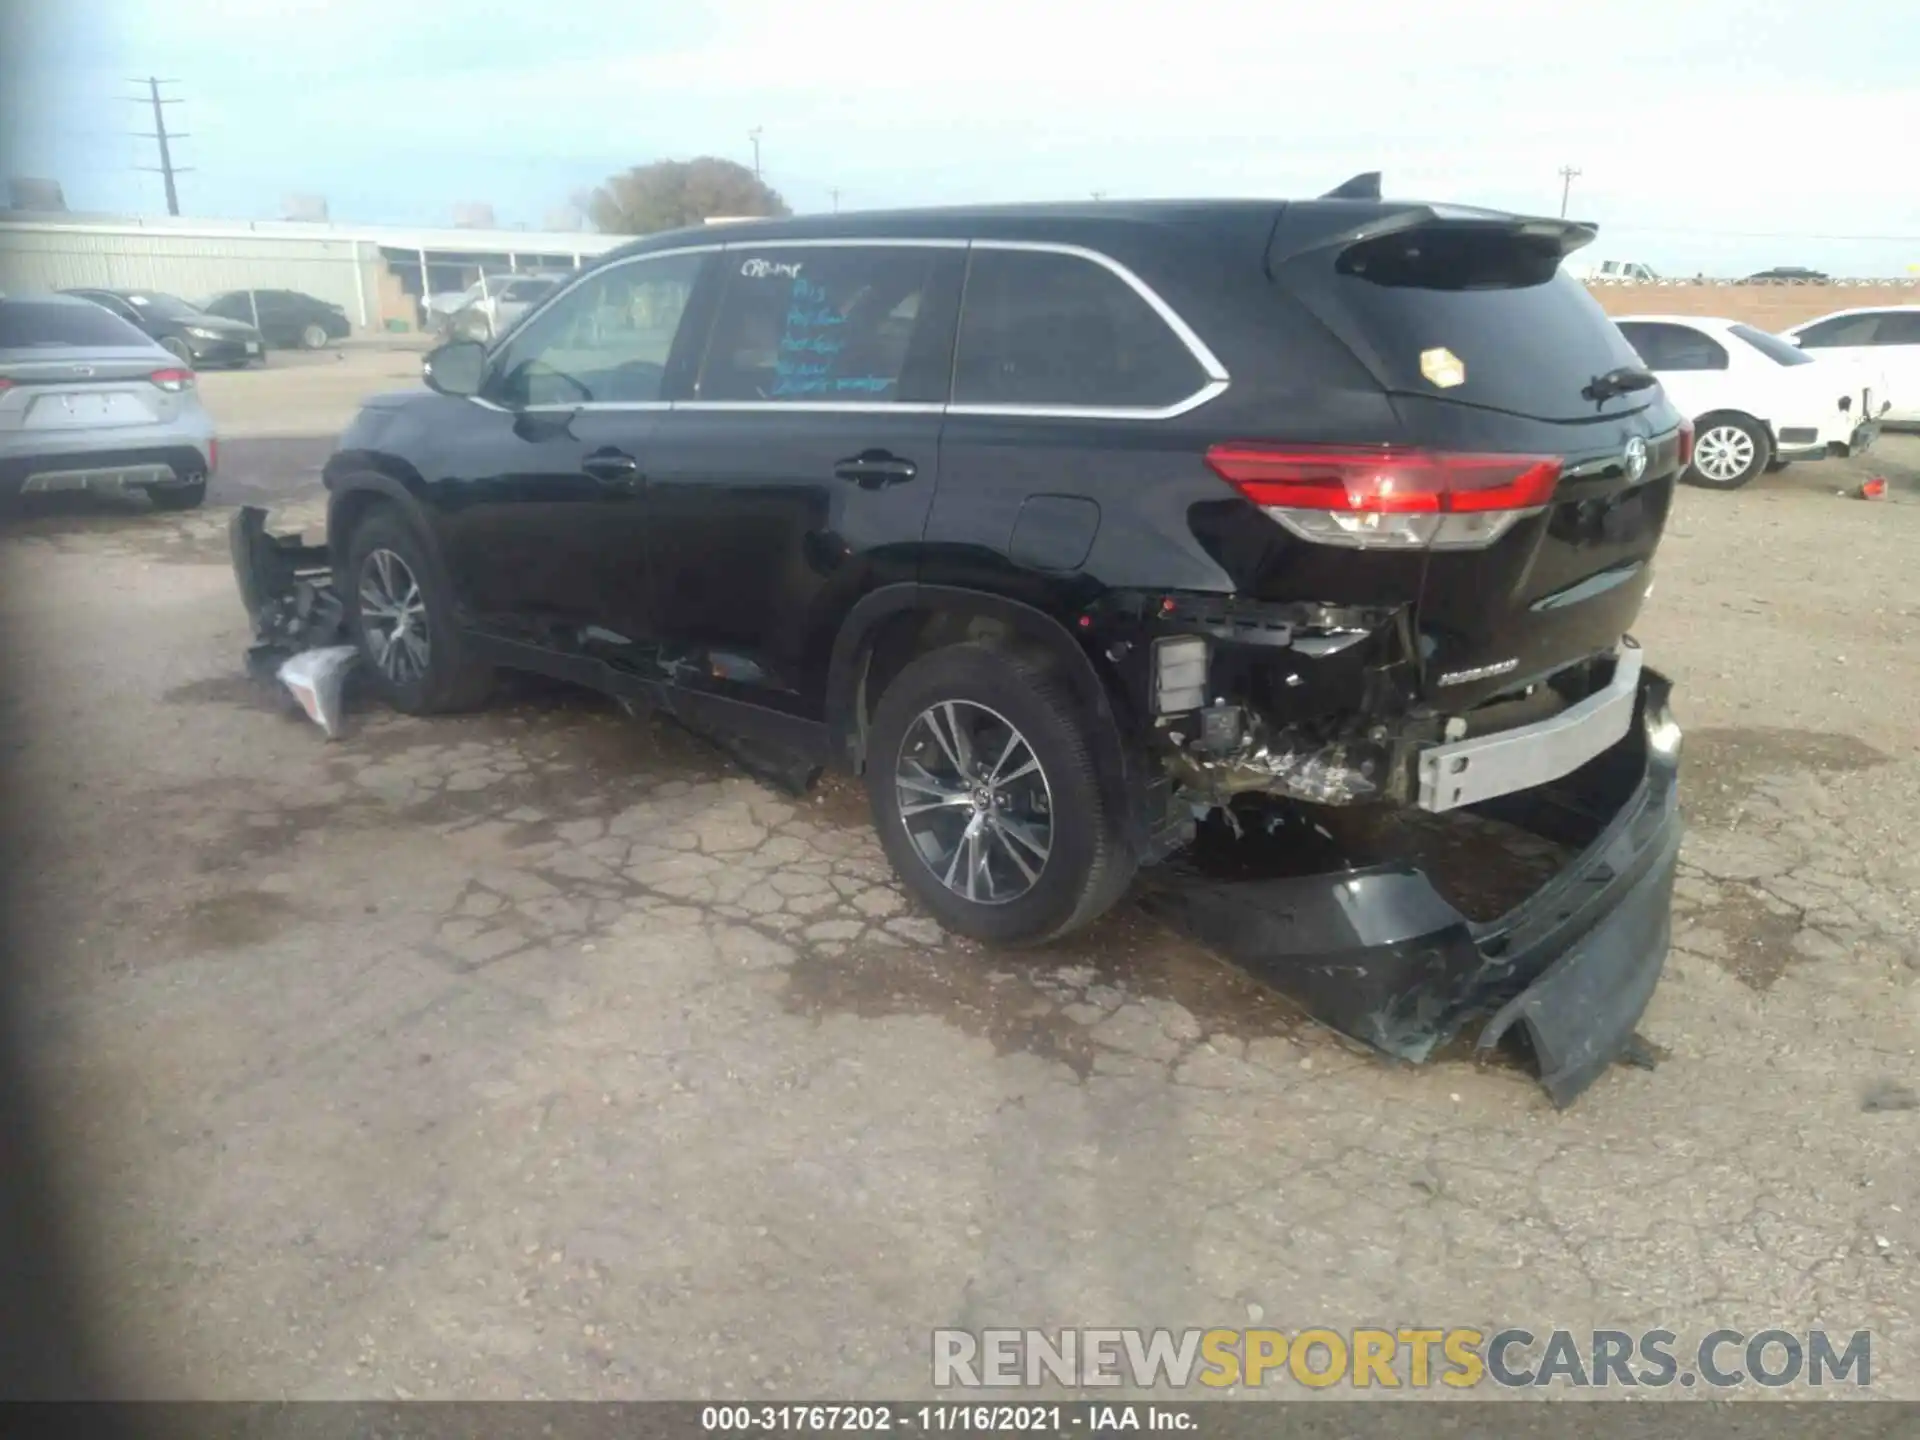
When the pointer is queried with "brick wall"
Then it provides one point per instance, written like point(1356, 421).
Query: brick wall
point(1765, 307)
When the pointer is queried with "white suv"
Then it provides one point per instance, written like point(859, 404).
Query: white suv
point(1885, 338)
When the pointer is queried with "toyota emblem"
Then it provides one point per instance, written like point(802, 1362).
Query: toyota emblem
point(1635, 459)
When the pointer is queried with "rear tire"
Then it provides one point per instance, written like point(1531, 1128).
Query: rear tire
point(1046, 857)
point(399, 609)
point(178, 497)
point(1728, 451)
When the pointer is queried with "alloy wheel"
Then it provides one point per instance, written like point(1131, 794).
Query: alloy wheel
point(1723, 453)
point(393, 615)
point(975, 801)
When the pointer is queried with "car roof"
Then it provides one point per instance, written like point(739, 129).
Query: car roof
point(1696, 322)
point(1858, 310)
point(48, 297)
point(1057, 219)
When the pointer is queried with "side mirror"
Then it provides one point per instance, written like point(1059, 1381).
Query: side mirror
point(458, 368)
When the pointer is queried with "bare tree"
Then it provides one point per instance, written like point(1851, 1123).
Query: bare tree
point(671, 193)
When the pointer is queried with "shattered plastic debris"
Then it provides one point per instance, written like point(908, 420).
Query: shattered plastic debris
point(1874, 487)
point(318, 680)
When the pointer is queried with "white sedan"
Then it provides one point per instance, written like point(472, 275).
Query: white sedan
point(1757, 401)
point(1883, 337)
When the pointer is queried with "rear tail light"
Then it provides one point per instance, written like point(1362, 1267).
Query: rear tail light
point(1686, 443)
point(173, 381)
point(5, 384)
point(1389, 498)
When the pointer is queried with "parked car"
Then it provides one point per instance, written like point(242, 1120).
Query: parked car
point(284, 318)
point(188, 333)
point(1616, 270)
point(1786, 275)
point(88, 402)
point(442, 307)
point(1884, 338)
point(497, 312)
point(1756, 402)
point(1060, 524)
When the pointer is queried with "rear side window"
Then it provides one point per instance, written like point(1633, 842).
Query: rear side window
point(1840, 331)
point(1527, 336)
point(1898, 330)
point(1667, 348)
point(1773, 347)
point(26, 325)
point(1039, 329)
point(826, 325)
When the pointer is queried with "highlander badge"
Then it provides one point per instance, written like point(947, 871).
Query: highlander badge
point(1484, 672)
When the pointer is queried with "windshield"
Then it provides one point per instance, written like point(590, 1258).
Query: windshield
point(167, 307)
point(1779, 351)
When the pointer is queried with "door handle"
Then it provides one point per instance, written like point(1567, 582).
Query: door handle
point(876, 469)
point(615, 469)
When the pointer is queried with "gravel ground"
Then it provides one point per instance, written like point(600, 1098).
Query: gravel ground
point(542, 1053)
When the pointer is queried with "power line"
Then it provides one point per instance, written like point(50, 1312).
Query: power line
point(166, 168)
point(1567, 176)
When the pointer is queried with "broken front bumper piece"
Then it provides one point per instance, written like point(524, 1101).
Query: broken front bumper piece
point(1377, 951)
point(299, 629)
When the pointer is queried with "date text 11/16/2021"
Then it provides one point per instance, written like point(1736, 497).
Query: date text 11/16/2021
point(965, 1419)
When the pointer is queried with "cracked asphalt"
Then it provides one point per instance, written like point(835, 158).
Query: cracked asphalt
point(542, 1052)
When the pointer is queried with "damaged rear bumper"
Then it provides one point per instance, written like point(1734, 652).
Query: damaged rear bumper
point(1380, 954)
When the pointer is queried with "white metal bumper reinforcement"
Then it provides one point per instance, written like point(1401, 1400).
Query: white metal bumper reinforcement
point(1466, 772)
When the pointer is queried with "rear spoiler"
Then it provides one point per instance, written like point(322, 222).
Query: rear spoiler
point(1303, 229)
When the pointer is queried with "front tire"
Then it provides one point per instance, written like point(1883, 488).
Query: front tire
point(314, 337)
point(981, 778)
point(1728, 451)
point(400, 611)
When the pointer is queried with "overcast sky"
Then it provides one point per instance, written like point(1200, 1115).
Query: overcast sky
point(1721, 135)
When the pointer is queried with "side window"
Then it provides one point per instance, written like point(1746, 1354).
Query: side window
point(834, 324)
point(1675, 347)
point(1040, 329)
point(1841, 330)
point(1898, 329)
point(604, 342)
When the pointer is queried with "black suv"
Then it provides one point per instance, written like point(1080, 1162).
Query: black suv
point(1063, 525)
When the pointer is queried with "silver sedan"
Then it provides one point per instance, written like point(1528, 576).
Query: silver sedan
point(87, 402)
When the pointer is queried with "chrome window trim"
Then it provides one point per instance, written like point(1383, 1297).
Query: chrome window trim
point(827, 407)
point(1218, 379)
point(846, 242)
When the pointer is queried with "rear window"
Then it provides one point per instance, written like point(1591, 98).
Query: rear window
point(26, 324)
point(1773, 347)
point(1527, 336)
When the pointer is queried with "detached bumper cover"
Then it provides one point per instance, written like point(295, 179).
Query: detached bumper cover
point(1378, 953)
point(287, 589)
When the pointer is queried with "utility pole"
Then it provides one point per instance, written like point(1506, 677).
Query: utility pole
point(166, 169)
point(835, 193)
point(754, 136)
point(1567, 176)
